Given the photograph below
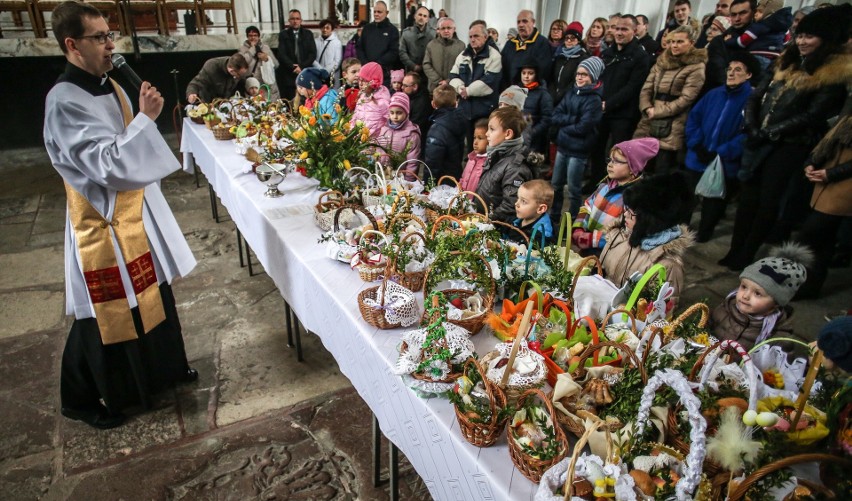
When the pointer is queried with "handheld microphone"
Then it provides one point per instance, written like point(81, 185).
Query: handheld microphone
point(126, 71)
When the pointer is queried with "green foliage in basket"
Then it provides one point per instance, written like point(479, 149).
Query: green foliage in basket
point(534, 416)
point(479, 406)
point(559, 280)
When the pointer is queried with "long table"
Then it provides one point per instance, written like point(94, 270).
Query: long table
point(323, 294)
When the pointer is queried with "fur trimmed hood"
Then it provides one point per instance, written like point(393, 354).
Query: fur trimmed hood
point(672, 249)
point(667, 61)
point(839, 136)
point(837, 70)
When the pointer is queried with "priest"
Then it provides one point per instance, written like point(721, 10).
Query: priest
point(123, 246)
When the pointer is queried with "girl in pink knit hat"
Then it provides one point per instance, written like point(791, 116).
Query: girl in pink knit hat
point(373, 100)
point(399, 134)
point(606, 205)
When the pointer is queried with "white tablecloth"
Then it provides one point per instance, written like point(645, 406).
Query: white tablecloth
point(323, 294)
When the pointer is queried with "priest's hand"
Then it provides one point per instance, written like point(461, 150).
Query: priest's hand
point(150, 101)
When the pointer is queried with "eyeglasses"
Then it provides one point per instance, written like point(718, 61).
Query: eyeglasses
point(101, 39)
point(612, 160)
point(629, 213)
point(582, 74)
point(571, 37)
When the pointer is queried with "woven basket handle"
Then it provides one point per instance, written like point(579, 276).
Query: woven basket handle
point(709, 357)
point(623, 312)
point(354, 208)
point(514, 229)
point(646, 341)
point(463, 194)
point(568, 489)
point(780, 464)
point(539, 300)
point(403, 197)
point(447, 178)
point(595, 349)
point(579, 271)
point(490, 388)
point(410, 161)
point(391, 267)
point(330, 196)
point(446, 217)
point(697, 307)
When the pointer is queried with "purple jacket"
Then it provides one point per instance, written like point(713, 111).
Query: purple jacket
point(373, 110)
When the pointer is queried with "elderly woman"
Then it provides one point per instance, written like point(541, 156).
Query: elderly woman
point(257, 54)
point(670, 90)
point(784, 119)
point(557, 32)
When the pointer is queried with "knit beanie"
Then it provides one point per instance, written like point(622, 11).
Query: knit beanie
point(252, 82)
point(400, 100)
point(594, 66)
point(397, 75)
point(515, 96)
point(512, 33)
point(639, 152)
point(312, 78)
point(831, 24)
point(835, 340)
point(782, 273)
point(575, 29)
point(722, 23)
point(372, 72)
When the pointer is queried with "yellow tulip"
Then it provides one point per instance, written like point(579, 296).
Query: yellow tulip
point(304, 155)
point(305, 112)
point(347, 165)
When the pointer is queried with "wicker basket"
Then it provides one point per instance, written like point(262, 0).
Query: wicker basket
point(742, 488)
point(222, 133)
point(411, 280)
point(432, 214)
point(568, 488)
point(375, 316)
point(674, 436)
point(513, 229)
point(390, 226)
point(436, 226)
point(483, 434)
point(459, 197)
point(530, 467)
point(370, 272)
point(325, 207)
point(472, 324)
point(199, 120)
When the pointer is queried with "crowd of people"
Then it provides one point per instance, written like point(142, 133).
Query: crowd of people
point(753, 97)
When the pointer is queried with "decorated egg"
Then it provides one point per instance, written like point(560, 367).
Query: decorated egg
point(750, 417)
point(767, 419)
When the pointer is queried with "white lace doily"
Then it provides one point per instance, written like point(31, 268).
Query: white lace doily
point(400, 305)
point(528, 370)
point(442, 194)
point(457, 339)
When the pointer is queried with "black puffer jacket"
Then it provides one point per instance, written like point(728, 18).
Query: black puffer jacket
point(625, 73)
point(503, 173)
point(792, 106)
point(442, 148)
point(562, 74)
point(576, 120)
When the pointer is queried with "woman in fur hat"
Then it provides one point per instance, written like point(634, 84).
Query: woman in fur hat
point(649, 232)
point(784, 119)
point(670, 90)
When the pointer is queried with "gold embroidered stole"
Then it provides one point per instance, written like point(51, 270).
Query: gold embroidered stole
point(99, 262)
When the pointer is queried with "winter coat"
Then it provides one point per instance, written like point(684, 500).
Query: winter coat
point(576, 118)
point(535, 50)
point(619, 259)
point(503, 173)
point(472, 171)
point(671, 88)
point(718, 55)
point(716, 123)
point(480, 74)
point(348, 96)
point(765, 37)
point(250, 53)
point(421, 110)
point(601, 210)
point(213, 81)
point(650, 45)
point(287, 54)
point(324, 101)
point(562, 74)
point(442, 149)
point(728, 322)
point(373, 110)
point(538, 108)
point(329, 56)
point(792, 106)
point(350, 49)
point(407, 136)
point(412, 45)
point(622, 78)
point(379, 43)
point(834, 154)
point(439, 59)
point(542, 226)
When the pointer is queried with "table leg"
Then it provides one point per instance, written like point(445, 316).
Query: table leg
point(214, 205)
point(289, 318)
point(240, 247)
point(248, 258)
point(394, 472)
point(195, 170)
point(298, 324)
point(377, 450)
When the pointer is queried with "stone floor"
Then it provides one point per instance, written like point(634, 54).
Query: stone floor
point(257, 424)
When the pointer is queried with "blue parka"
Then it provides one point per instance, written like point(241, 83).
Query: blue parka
point(716, 122)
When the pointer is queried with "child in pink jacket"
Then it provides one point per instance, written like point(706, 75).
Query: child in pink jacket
point(373, 101)
point(399, 133)
point(476, 158)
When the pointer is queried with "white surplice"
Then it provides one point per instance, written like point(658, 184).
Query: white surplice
point(92, 150)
